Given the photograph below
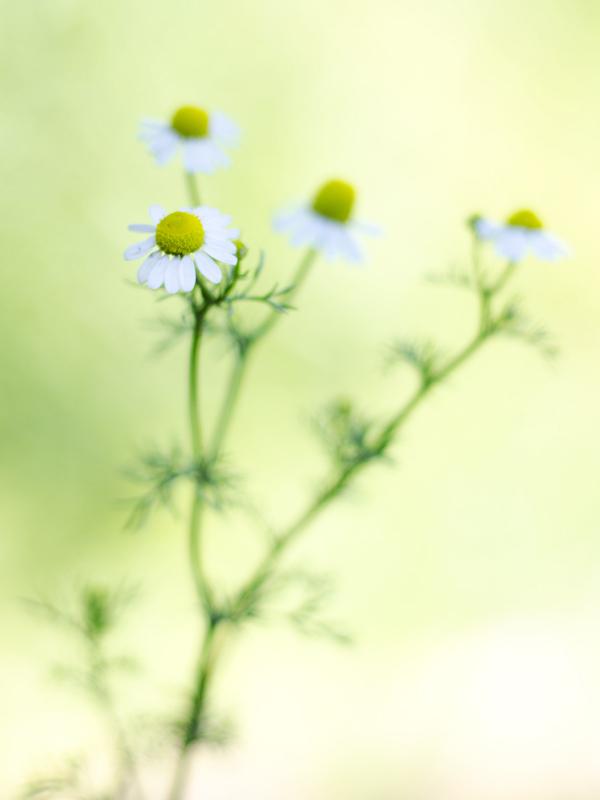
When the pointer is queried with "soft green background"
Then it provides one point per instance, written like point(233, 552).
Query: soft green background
point(469, 570)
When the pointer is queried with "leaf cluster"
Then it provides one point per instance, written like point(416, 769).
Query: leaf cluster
point(422, 355)
point(346, 434)
point(158, 473)
point(247, 290)
point(514, 322)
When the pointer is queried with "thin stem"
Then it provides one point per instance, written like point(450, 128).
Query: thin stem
point(241, 364)
point(192, 188)
point(191, 733)
point(229, 404)
point(504, 277)
point(208, 651)
point(197, 566)
point(485, 330)
point(128, 775)
point(482, 290)
point(193, 406)
point(263, 572)
point(302, 271)
point(197, 508)
point(195, 552)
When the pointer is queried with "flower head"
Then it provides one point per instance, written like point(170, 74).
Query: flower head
point(327, 223)
point(180, 243)
point(522, 233)
point(202, 137)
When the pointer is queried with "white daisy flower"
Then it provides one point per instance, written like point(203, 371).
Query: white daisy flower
point(521, 234)
point(327, 224)
point(201, 136)
point(181, 242)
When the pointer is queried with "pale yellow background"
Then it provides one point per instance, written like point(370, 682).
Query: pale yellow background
point(469, 570)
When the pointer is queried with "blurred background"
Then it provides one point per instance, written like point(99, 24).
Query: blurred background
point(468, 571)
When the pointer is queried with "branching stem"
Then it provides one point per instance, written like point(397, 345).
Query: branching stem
point(486, 328)
point(241, 364)
point(245, 600)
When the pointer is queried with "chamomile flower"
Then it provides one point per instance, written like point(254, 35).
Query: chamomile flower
point(521, 234)
point(181, 242)
point(326, 224)
point(202, 137)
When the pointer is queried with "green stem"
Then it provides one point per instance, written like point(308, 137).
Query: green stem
point(485, 330)
point(192, 188)
point(229, 404)
point(197, 508)
point(193, 406)
point(505, 277)
point(195, 552)
point(302, 271)
point(127, 778)
point(482, 290)
point(196, 562)
point(241, 364)
point(250, 590)
point(191, 733)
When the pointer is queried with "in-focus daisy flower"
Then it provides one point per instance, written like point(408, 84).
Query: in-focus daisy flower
point(327, 224)
point(202, 137)
point(181, 242)
point(521, 234)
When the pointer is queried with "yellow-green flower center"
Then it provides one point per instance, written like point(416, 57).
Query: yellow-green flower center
point(525, 219)
point(179, 234)
point(335, 200)
point(190, 121)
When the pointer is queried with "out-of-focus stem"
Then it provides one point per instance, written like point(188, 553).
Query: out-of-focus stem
point(239, 369)
point(280, 545)
point(192, 188)
point(231, 397)
point(127, 778)
point(206, 662)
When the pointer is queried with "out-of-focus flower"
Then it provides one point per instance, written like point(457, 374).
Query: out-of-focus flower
point(327, 224)
point(180, 242)
point(202, 137)
point(521, 234)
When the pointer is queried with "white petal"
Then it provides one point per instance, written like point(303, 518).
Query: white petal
point(284, 220)
point(349, 248)
point(549, 247)
point(212, 217)
point(154, 125)
point(157, 275)
point(161, 140)
point(303, 225)
point(187, 274)
point(164, 150)
point(156, 214)
point(203, 155)
point(207, 267)
point(311, 229)
point(487, 228)
point(172, 276)
point(512, 243)
point(139, 249)
point(224, 129)
point(368, 228)
point(220, 254)
point(142, 228)
point(329, 244)
point(224, 243)
point(146, 267)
